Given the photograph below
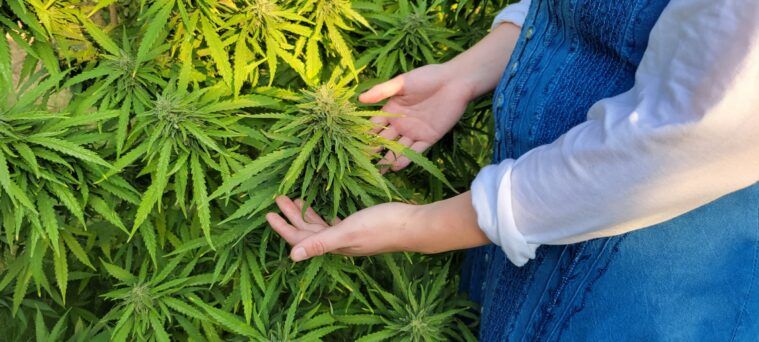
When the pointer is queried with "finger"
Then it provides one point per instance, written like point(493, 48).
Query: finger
point(391, 158)
point(379, 123)
point(389, 133)
point(291, 234)
point(318, 244)
point(406, 141)
point(291, 211)
point(311, 215)
point(383, 90)
point(403, 161)
point(387, 162)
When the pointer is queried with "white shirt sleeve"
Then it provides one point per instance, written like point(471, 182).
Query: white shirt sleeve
point(686, 134)
point(514, 13)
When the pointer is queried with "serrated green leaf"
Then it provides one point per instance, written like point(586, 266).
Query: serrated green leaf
point(28, 155)
point(100, 37)
point(158, 330)
point(155, 190)
point(200, 194)
point(296, 168)
point(246, 291)
point(68, 148)
point(378, 336)
point(316, 335)
point(147, 232)
point(118, 272)
point(229, 321)
point(61, 270)
point(217, 51)
point(75, 248)
point(49, 219)
point(40, 329)
point(107, 212)
point(242, 59)
point(252, 169)
point(359, 319)
point(67, 198)
point(153, 29)
point(418, 159)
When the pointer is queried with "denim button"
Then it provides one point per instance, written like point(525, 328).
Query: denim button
point(529, 33)
point(497, 138)
point(514, 68)
point(487, 256)
point(499, 100)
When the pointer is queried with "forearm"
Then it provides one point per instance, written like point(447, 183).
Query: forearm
point(480, 66)
point(445, 225)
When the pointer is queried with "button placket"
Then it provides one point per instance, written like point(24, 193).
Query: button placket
point(530, 32)
point(514, 68)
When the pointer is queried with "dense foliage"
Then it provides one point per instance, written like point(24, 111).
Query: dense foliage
point(141, 142)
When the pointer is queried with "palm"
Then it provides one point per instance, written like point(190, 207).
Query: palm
point(429, 106)
point(366, 232)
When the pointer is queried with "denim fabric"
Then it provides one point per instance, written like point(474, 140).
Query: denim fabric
point(695, 277)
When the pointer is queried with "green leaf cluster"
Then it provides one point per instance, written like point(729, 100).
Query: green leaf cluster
point(142, 142)
point(408, 34)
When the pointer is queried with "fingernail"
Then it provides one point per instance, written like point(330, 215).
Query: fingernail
point(299, 254)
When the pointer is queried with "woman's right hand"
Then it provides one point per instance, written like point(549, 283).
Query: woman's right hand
point(430, 100)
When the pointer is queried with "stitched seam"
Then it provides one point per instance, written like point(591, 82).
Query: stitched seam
point(524, 289)
point(562, 286)
point(739, 320)
point(547, 288)
point(601, 271)
point(580, 287)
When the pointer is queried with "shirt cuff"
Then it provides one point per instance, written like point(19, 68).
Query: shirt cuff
point(514, 13)
point(491, 198)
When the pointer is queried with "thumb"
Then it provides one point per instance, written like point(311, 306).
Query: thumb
point(383, 90)
point(318, 244)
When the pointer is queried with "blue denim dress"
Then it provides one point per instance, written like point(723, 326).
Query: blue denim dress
point(693, 278)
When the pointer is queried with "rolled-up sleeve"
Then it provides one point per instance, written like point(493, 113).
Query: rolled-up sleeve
point(686, 134)
point(514, 13)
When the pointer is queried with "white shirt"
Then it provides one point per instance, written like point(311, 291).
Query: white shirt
point(686, 134)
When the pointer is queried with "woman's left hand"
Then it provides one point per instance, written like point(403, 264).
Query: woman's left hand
point(378, 229)
point(390, 227)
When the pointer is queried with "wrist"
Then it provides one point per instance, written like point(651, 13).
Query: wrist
point(465, 77)
point(413, 229)
point(444, 226)
point(479, 68)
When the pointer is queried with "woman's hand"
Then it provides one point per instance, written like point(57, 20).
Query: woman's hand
point(390, 227)
point(431, 99)
point(430, 102)
point(367, 232)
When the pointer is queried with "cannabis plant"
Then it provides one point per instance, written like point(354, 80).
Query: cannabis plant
point(182, 135)
point(142, 142)
point(332, 19)
point(407, 37)
point(263, 27)
point(324, 151)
